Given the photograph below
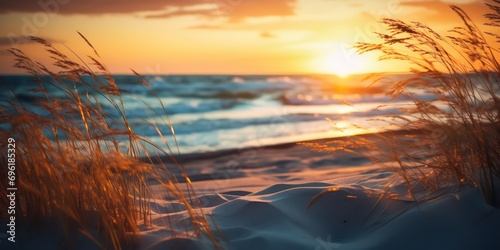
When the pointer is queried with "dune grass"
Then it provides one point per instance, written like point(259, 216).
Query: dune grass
point(80, 164)
point(461, 139)
point(453, 139)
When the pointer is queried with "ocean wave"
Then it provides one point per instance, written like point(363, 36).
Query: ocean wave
point(214, 112)
point(311, 99)
point(144, 127)
point(220, 94)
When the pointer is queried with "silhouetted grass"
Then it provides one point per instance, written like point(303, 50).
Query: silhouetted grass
point(75, 160)
point(455, 138)
point(462, 140)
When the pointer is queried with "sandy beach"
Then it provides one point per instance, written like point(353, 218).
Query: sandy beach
point(260, 198)
point(250, 125)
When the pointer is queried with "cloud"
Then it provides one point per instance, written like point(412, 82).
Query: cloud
point(260, 8)
point(267, 34)
point(181, 12)
point(17, 40)
point(205, 27)
point(434, 9)
point(94, 6)
point(4, 52)
point(233, 9)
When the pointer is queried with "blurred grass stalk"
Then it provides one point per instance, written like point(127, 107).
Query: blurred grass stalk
point(72, 162)
point(462, 140)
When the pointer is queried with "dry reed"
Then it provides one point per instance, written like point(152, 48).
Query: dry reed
point(455, 138)
point(461, 139)
point(75, 160)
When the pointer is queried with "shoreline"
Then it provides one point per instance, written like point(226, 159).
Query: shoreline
point(272, 164)
point(190, 157)
point(288, 196)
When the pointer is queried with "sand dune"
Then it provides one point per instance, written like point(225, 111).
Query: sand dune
point(260, 199)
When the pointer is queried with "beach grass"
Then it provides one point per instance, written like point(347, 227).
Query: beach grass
point(453, 139)
point(80, 164)
point(461, 139)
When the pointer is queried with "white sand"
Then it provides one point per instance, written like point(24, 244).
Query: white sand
point(263, 204)
point(259, 199)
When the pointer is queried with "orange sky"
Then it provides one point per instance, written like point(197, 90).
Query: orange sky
point(219, 36)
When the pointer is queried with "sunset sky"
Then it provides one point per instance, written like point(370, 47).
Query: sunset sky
point(219, 36)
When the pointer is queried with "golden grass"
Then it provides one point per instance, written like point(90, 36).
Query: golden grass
point(72, 162)
point(454, 139)
point(462, 140)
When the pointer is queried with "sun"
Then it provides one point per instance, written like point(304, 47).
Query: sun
point(341, 63)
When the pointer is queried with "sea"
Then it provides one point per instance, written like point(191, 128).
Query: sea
point(216, 112)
